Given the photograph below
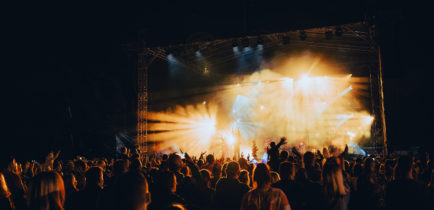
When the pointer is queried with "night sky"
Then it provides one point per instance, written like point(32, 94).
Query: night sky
point(67, 74)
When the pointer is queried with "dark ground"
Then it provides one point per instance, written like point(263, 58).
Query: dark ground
point(66, 74)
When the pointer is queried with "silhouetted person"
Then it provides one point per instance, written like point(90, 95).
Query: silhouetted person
point(336, 194)
point(404, 192)
point(273, 154)
point(70, 189)
point(132, 191)
point(91, 196)
point(287, 184)
point(229, 191)
point(263, 196)
point(47, 192)
point(164, 194)
point(14, 182)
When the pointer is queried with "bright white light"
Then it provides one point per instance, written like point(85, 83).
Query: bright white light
point(287, 83)
point(229, 138)
point(351, 134)
point(367, 120)
point(262, 107)
point(204, 102)
point(259, 83)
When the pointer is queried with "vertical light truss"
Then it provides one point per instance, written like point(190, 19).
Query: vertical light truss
point(377, 97)
point(142, 101)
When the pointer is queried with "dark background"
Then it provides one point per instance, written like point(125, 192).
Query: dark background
point(68, 84)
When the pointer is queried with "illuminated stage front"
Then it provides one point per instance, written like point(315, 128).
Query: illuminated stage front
point(313, 95)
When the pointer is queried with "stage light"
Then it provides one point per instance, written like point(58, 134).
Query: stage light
point(338, 31)
point(286, 39)
point(234, 43)
point(259, 40)
point(303, 35)
point(262, 107)
point(328, 35)
point(204, 102)
point(245, 42)
point(368, 120)
point(351, 135)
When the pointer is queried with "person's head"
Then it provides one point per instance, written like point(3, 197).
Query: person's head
point(68, 167)
point(244, 177)
point(120, 166)
point(206, 176)
point(357, 169)
point(272, 144)
point(166, 180)
point(164, 157)
point(284, 155)
point(287, 170)
point(70, 182)
point(47, 191)
point(404, 167)
point(174, 163)
point(186, 171)
point(261, 176)
point(124, 150)
point(233, 170)
point(200, 163)
point(80, 166)
point(210, 159)
point(369, 166)
point(333, 178)
point(132, 191)
point(309, 159)
point(274, 177)
point(216, 170)
point(94, 177)
point(136, 164)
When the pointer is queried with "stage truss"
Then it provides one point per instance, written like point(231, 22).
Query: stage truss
point(360, 31)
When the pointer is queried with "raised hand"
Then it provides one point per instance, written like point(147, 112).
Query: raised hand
point(188, 158)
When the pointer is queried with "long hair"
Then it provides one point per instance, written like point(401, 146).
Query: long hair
point(333, 180)
point(132, 191)
point(47, 192)
point(261, 175)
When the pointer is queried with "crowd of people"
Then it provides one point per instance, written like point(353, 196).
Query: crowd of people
point(327, 179)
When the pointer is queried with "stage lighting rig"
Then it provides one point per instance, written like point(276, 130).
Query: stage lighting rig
point(303, 35)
